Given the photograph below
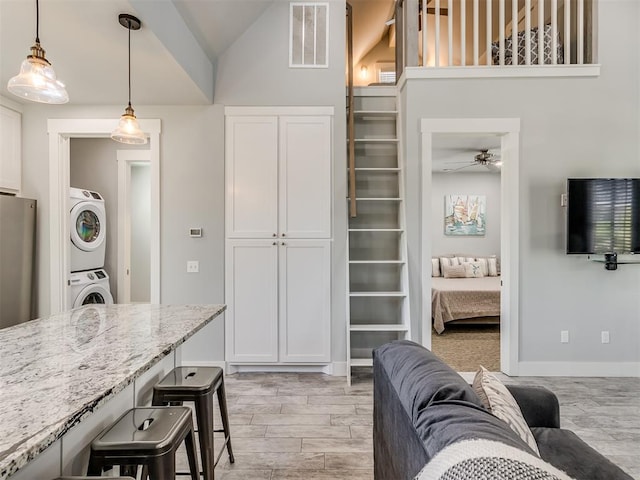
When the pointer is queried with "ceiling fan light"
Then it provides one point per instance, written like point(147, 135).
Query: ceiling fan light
point(128, 130)
point(37, 80)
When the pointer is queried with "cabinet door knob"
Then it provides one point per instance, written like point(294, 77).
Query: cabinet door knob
point(283, 244)
point(275, 234)
point(274, 243)
point(283, 235)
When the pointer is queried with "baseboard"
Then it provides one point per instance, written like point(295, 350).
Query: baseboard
point(337, 369)
point(579, 369)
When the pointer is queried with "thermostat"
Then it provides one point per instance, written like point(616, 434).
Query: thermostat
point(195, 232)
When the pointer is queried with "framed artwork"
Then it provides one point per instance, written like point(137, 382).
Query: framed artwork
point(464, 215)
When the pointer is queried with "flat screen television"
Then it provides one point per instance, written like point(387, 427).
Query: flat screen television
point(603, 215)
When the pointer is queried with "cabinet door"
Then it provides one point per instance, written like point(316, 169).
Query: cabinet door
point(305, 301)
point(10, 149)
point(305, 176)
point(251, 319)
point(251, 176)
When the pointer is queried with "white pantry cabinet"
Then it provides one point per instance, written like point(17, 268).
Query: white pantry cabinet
point(278, 228)
point(278, 176)
point(278, 295)
point(10, 150)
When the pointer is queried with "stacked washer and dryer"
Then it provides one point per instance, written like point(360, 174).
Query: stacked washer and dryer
point(89, 282)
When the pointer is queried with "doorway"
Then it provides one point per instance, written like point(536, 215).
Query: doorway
point(507, 130)
point(61, 131)
point(465, 240)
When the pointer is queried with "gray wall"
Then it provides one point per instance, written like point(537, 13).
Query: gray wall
point(472, 184)
point(191, 194)
point(255, 71)
point(569, 127)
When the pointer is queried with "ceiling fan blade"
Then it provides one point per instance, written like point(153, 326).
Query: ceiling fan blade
point(451, 170)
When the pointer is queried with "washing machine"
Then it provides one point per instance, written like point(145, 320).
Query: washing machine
point(89, 287)
point(88, 224)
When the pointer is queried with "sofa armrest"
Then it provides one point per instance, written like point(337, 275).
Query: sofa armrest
point(539, 405)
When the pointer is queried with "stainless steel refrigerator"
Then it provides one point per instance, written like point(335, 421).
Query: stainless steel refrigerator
point(17, 255)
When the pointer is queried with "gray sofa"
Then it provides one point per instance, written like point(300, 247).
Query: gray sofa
point(421, 405)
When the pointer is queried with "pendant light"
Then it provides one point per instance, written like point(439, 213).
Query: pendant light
point(37, 79)
point(128, 130)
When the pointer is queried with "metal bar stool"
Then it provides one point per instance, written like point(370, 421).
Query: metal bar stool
point(197, 384)
point(147, 436)
point(95, 478)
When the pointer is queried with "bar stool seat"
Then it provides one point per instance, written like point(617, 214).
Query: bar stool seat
point(198, 384)
point(147, 436)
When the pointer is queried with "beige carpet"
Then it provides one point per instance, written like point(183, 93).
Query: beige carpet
point(465, 347)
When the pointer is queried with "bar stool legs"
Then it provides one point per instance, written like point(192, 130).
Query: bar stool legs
point(198, 385)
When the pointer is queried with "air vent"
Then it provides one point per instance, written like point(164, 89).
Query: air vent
point(309, 35)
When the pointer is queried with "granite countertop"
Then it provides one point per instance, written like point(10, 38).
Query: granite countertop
point(56, 371)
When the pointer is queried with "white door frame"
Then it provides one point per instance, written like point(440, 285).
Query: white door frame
point(509, 129)
point(126, 159)
point(60, 132)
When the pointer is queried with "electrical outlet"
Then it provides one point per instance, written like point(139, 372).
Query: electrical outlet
point(564, 336)
point(604, 335)
point(193, 266)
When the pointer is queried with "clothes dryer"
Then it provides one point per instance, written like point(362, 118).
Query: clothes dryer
point(89, 287)
point(88, 225)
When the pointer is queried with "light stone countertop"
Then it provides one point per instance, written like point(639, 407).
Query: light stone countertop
point(56, 371)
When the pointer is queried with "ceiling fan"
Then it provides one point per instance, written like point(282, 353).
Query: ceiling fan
point(485, 158)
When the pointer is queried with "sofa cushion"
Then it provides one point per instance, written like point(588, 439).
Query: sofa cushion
point(566, 451)
point(421, 378)
point(441, 404)
point(499, 401)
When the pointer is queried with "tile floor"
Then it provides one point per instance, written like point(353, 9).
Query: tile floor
point(315, 427)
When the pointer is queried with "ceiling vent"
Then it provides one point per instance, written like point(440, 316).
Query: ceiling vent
point(309, 35)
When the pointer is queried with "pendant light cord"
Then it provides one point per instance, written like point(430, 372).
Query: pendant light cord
point(129, 28)
point(37, 22)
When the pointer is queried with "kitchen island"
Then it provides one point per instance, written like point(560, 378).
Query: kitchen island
point(56, 372)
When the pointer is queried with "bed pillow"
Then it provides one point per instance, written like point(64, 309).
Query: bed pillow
point(499, 401)
point(484, 266)
point(435, 267)
point(492, 264)
point(454, 271)
point(447, 262)
point(473, 270)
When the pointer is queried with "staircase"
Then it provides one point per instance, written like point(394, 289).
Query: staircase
point(377, 283)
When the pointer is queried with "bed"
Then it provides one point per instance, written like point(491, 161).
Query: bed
point(473, 299)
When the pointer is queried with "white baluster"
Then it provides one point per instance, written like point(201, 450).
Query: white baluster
point(567, 32)
point(540, 32)
point(501, 20)
point(450, 24)
point(527, 32)
point(554, 31)
point(476, 31)
point(424, 33)
point(463, 32)
point(489, 33)
point(580, 46)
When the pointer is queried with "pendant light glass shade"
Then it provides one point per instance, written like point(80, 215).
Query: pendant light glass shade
point(128, 130)
point(37, 80)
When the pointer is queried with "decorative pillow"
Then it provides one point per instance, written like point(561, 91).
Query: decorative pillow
point(454, 271)
point(499, 401)
point(484, 265)
point(462, 260)
point(447, 262)
point(492, 264)
point(473, 270)
point(435, 267)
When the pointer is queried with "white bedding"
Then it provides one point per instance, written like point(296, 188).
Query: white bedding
point(458, 298)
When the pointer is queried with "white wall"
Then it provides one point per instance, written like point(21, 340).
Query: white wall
point(140, 232)
point(569, 127)
point(487, 184)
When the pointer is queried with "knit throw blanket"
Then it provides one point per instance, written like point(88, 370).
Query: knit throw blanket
point(487, 460)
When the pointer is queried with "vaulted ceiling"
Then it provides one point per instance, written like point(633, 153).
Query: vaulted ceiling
point(174, 55)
